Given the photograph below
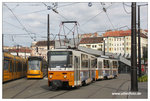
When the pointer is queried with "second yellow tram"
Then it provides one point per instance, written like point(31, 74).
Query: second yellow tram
point(36, 67)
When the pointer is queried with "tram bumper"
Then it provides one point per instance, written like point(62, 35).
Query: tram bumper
point(56, 84)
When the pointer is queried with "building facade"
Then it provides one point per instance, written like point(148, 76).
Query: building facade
point(39, 48)
point(120, 42)
point(92, 42)
point(88, 35)
point(23, 52)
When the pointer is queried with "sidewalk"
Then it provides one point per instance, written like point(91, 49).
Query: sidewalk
point(143, 89)
point(125, 93)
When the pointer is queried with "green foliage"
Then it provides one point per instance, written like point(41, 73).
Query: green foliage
point(143, 78)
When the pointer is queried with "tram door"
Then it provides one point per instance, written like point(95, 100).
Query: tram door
point(111, 67)
point(77, 70)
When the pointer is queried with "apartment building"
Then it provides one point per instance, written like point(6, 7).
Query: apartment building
point(120, 42)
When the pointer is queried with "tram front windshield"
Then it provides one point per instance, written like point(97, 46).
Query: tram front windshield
point(60, 59)
point(34, 64)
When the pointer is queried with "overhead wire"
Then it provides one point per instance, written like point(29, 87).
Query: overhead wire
point(109, 20)
point(68, 4)
point(19, 21)
point(104, 9)
point(13, 25)
point(94, 16)
point(125, 8)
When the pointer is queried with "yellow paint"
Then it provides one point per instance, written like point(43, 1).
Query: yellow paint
point(7, 75)
point(96, 76)
point(59, 75)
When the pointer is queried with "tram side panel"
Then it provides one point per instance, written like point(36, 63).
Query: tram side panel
point(7, 67)
point(11, 69)
point(100, 69)
point(115, 68)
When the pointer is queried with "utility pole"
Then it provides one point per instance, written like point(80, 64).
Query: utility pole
point(134, 83)
point(139, 42)
point(104, 46)
point(17, 50)
point(47, 42)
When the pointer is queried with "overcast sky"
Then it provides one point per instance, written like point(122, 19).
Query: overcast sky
point(32, 18)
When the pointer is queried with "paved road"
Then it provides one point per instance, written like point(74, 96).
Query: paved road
point(38, 88)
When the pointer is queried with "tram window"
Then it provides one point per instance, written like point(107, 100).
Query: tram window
point(84, 59)
point(85, 63)
point(34, 65)
point(114, 64)
point(6, 64)
point(10, 66)
point(70, 61)
point(19, 67)
point(100, 64)
point(106, 64)
point(93, 63)
point(24, 67)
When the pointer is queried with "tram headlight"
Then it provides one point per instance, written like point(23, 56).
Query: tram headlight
point(50, 76)
point(65, 76)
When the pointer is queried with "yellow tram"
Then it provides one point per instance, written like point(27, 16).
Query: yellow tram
point(36, 67)
point(14, 67)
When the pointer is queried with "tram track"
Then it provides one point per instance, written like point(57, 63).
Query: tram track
point(71, 90)
point(48, 92)
point(106, 86)
point(15, 85)
point(102, 87)
point(20, 92)
point(120, 88)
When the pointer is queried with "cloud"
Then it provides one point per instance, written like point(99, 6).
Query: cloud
point(37, 22)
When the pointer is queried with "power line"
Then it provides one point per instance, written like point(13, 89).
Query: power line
point(19, 21)
point(67, 19)
point(143, 5)
point(126, 5)
point(13, 25)
point(104, 9)
point(94, 16)
point(125, 9)
point(109, 20)
point(29, 13)
point(91, 18)
point(68, 4)
point(114, 29)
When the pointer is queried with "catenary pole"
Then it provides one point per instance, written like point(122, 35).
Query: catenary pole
point(134, 84)
point(139, 42)
point(47, 42)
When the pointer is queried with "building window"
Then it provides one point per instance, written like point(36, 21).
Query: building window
point(127, 43)
point(88, 46)
point(92, 46)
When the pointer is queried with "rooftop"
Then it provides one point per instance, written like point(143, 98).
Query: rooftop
point(91, 40)
point(44, 43)
point(120, 34)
